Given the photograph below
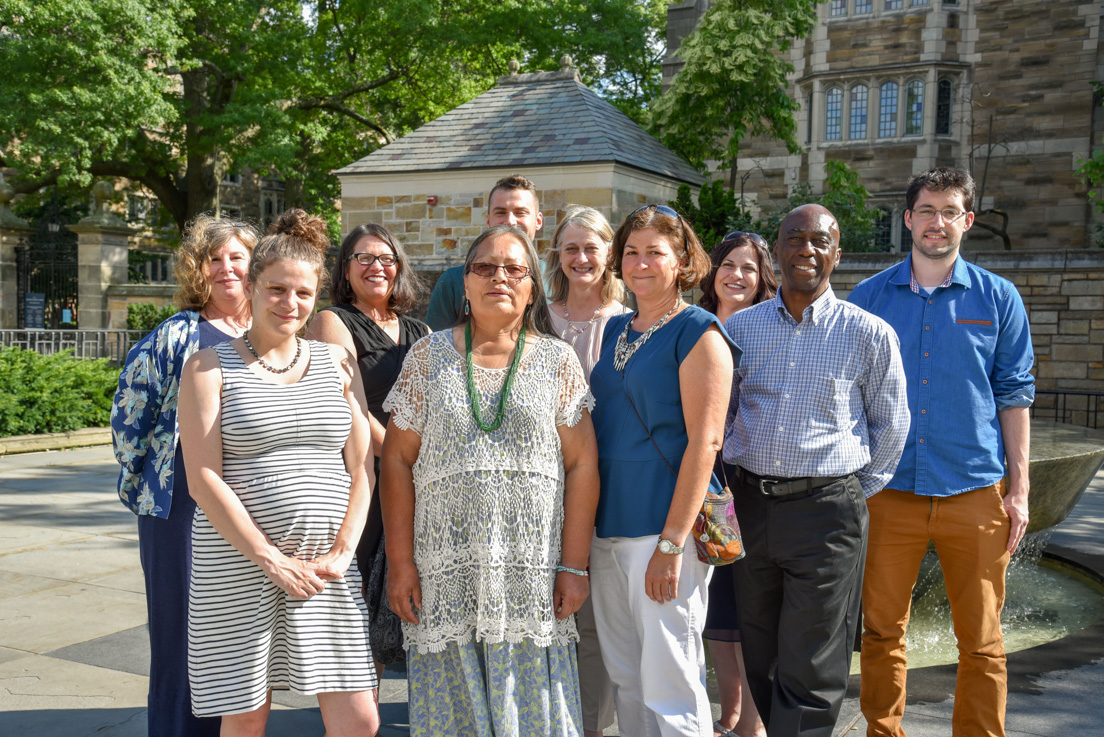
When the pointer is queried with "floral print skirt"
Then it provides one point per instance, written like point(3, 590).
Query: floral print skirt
point(495, 690)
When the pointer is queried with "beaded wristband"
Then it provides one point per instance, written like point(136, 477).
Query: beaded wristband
point(576, 571)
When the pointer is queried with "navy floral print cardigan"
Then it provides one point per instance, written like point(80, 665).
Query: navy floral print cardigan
point(143, 416)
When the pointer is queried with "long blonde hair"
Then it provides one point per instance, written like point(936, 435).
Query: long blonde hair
point(587, 218)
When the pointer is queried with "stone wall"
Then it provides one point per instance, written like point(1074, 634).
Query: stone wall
point(1063, 291)
point(121, 295)
point(438, 235)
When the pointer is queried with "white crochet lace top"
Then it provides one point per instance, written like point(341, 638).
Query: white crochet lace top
point(488, 510)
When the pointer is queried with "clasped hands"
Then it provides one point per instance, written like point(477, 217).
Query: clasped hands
point(302, 578)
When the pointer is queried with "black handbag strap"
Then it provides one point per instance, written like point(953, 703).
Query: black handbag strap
point(660, 452)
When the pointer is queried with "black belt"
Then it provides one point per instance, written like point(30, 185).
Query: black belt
point(775, 487)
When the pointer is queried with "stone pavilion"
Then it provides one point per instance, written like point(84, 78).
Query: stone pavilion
point(430, 186)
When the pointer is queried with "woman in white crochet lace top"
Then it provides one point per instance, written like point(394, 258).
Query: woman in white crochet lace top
point(489, 481)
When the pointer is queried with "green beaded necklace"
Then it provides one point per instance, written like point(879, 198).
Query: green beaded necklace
point(473, 395)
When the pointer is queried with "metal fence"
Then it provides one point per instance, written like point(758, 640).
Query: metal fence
point(110, 344)
point(1071, 407)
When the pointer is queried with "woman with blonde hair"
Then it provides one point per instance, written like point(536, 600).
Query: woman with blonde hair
point(211, 265)
point(276, 445)
point(581, 286)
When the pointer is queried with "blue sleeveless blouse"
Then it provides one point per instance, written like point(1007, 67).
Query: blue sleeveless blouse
point(637, 487)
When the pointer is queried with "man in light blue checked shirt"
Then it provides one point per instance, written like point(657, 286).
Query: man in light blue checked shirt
point(821, 418)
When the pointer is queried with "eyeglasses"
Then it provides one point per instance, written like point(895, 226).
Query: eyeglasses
point(367, 259)
point(927, 213)
point(513, 272)
point(740, 235)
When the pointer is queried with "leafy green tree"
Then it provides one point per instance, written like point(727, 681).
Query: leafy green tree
point(712, 215)
point(1091, 171)
point(718, 211)
point(733, 80)
point(175, 93)
point(846, 198)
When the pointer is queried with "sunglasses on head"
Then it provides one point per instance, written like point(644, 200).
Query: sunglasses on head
point(740, 234)
point(661, 209)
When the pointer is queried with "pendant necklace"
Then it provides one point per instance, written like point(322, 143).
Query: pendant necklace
point(574, 329)
point(265, 366)
point(624, 350)
point(473, 394)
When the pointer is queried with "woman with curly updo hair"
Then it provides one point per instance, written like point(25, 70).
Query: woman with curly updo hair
point(210, 270)
point(276, 445)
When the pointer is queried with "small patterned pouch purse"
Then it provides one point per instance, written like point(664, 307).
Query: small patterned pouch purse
point(716, 532)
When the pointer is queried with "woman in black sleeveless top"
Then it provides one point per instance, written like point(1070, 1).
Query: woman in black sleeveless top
point(372, 287)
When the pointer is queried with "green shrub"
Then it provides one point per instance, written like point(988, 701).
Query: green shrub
point(54, 393)
point(147, 316)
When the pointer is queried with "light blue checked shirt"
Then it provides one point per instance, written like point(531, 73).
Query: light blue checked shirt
point(823, 397)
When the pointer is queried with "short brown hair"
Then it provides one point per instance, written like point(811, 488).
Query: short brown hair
point(942, 179)
point(512, 182)
point(408, 288)
point(679, 233)
point(202, 238)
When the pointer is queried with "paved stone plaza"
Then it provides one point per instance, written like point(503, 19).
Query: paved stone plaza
point(74, 654)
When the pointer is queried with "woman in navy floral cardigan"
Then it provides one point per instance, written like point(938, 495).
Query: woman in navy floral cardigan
point(211, 266)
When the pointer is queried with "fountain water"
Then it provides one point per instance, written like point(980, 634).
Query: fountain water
point(1046, 597)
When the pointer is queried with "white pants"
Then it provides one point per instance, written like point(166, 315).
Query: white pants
point(653, 652)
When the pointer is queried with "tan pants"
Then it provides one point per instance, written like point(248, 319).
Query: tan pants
point(970, 532)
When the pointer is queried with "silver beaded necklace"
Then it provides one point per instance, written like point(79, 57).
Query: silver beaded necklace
point(624, 350)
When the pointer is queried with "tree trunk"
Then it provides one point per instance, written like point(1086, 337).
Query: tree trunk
point(201, 178)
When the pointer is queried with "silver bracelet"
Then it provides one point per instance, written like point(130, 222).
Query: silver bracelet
point(576, 571)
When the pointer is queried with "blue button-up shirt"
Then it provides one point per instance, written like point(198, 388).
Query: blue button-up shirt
point(823, 397)
point(968, 355)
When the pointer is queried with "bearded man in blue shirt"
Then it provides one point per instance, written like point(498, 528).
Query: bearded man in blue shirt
point(962, 482)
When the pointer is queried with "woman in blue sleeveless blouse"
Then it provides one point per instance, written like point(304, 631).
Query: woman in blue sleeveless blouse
point(662, 388)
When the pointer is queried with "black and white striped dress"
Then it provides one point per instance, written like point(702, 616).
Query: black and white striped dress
point(282, 455)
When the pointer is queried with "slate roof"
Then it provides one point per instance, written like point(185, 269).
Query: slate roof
point(527, 120)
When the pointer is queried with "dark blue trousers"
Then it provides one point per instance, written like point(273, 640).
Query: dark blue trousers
point(799, 590)
point(165, 546)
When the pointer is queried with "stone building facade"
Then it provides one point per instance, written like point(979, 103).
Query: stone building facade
point(1003, 88)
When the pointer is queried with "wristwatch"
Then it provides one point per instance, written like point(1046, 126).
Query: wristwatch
point(669, 548)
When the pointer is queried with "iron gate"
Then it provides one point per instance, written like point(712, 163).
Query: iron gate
point(46, 273)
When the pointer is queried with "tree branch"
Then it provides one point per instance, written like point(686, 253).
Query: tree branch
point(347, 111)
point(1002, 231)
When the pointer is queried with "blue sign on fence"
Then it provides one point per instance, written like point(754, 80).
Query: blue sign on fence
point(34, 310)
